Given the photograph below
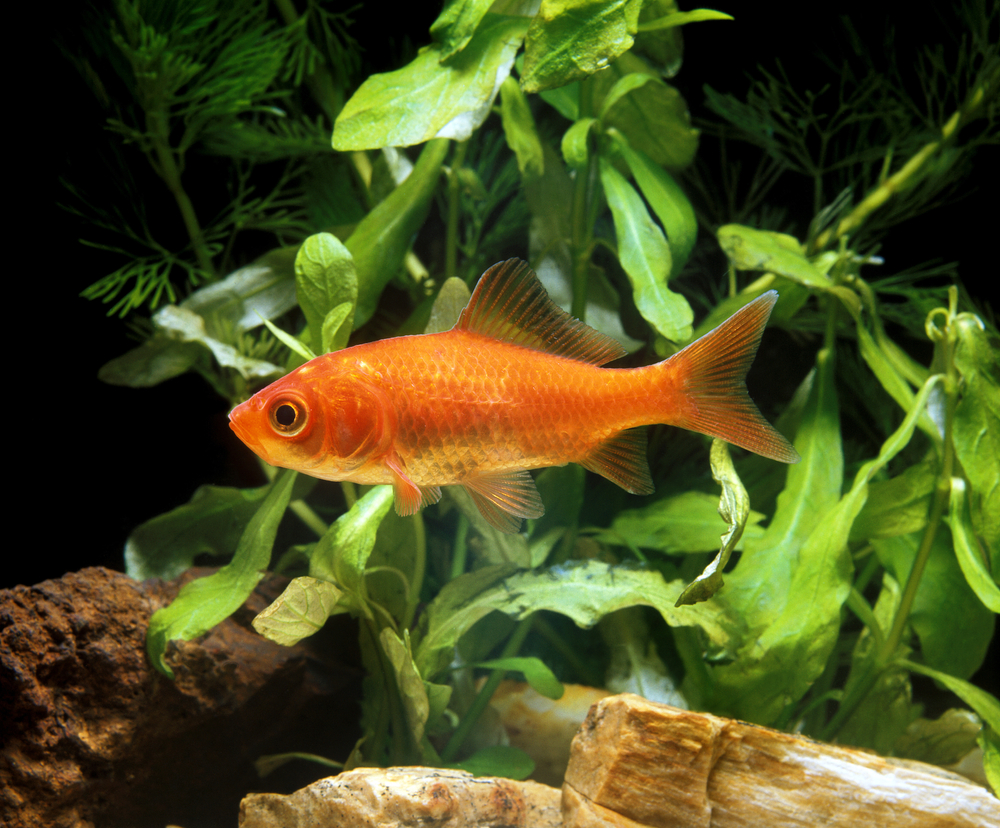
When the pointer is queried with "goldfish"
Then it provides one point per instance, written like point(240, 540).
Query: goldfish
point(517, 384)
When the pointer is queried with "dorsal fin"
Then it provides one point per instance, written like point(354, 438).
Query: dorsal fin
point(510, 304)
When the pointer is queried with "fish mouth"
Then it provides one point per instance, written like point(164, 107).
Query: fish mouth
point(241, 430)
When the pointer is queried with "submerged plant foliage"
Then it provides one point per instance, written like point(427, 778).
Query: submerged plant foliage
point(556, 135)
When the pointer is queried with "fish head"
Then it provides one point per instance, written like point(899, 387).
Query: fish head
point(325, 421)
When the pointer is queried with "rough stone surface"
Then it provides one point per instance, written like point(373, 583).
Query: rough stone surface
point(92, 735)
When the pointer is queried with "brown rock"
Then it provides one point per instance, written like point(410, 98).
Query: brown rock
point(92, 734)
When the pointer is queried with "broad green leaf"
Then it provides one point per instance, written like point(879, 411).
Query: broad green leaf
point(179, 342)
point(976, 430)
point(645, 258)
point(653, 117)
point(448, 306)
point(535, 671)
point(688, 522)
point(985, 704)
point(622, 87)
point(585, 591)
point(456, 24)
point(341, 555)
point(683, 18)
point(204, 602)
point(668, 201)
point(564, 99)
point(210, 523)
point(430, 97)
point(967, 551)
point(734, 507)
point(337, 327)
point(570, 39)
point(751, 249)
point(408, 681)
point(504, 761)
point(265, 288)
point(325, 277)
point(774, 580)
point(942, 741)
point(519, 129)
point(897, 506)
point(300, 611)
point(954, 628)
point(777, 667)
point(381, 239)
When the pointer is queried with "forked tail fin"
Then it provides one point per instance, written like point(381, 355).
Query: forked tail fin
point(709, 378)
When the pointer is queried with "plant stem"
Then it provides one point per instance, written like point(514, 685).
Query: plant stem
point(454, 189)
point(419, 567)
point(486, 692)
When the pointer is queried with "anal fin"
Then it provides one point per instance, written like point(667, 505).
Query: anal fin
point(622, 460)
point(505, 498)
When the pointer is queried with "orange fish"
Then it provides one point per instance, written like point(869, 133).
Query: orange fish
point(515, 385)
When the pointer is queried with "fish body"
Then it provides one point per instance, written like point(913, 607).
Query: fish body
point(517, 384)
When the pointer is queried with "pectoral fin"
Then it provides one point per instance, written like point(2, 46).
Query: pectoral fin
point(505, 498)
point(410, 498)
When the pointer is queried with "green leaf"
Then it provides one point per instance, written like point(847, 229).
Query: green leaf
point(585, 591)
point(973, 568)
point(775, 588)
point(668, 201)
point(535, 671)
point(519, 129)
point(456, 24)
point(622, 87)
point(688, 522)
point(337, 327)
point(431, 97)
point(300, 611)
point(504, 761)
point(570, 39)
point(897, 506)
point(989, 741)
point(985, 704)
point(575, 144)
point(325, 277)
point(645, 258)
point(976, 430)
point(942, 741)
point(683, 18)
point(448, 305)
point(653, 117)
point(294, 345)
point(341, 555)
point(954, 628)
point(734, 507)
point(204, 602)
point(381, 239)
point(751, 249)
point(411, 686)
point(210, 523)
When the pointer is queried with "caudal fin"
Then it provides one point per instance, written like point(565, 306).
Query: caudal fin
point(710, 375)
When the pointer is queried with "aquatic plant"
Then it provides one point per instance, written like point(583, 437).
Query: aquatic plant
point(556, 135)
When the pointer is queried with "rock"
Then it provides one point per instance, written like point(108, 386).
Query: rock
point(93, 735)
point(405, 797)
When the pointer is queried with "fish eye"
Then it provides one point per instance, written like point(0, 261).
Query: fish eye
point(288, 417)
